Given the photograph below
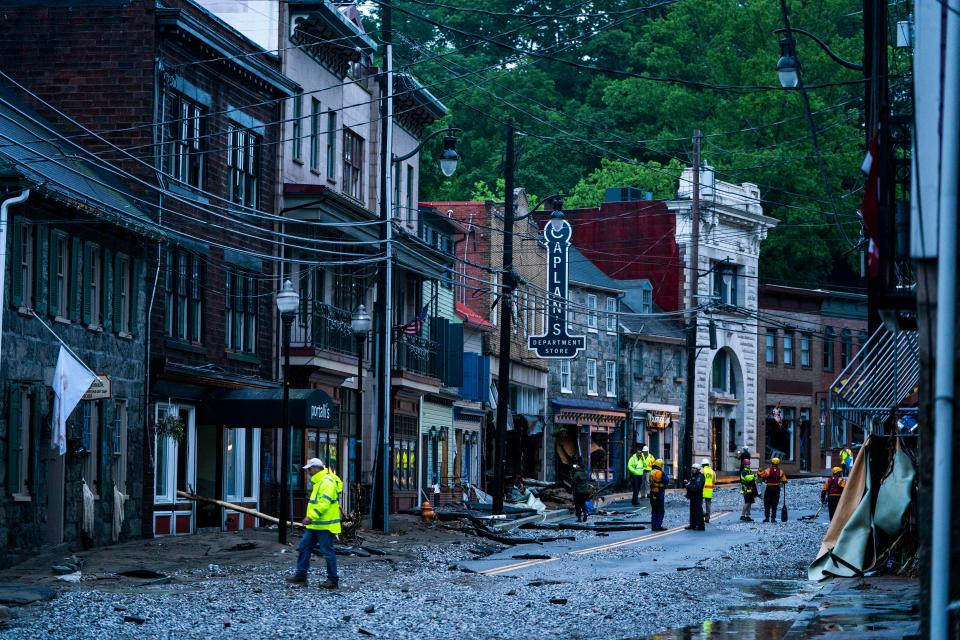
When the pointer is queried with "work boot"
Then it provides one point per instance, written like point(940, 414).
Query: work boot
point(766, 519)
point(330, 584)
point(749, 519)
point(296, 579)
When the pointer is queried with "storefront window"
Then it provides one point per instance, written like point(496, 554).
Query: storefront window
point(404, 453)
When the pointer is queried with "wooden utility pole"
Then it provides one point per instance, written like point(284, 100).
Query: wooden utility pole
point(686, 458)
point(506, 310)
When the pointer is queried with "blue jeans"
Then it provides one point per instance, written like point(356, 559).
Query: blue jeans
point(322, 540)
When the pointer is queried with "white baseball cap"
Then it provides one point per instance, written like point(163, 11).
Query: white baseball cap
point(314, 462)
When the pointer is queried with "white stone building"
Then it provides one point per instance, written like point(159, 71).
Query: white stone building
point(732, 226)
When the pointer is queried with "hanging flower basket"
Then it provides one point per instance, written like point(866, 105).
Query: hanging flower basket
point(171, 426)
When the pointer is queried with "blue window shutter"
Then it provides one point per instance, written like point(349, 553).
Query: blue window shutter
point(455, 356)
point(483, 391)
point(469, 388)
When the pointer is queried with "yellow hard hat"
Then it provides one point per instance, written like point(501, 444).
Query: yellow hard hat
point(775, 460)
point(837, 469)
point(658, 462)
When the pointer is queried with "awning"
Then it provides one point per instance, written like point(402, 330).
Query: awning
point(672, 409)
point(594, 413)
point(264, 407)
point(883, 377)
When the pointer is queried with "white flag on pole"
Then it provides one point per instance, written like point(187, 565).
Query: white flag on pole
point(71, 379)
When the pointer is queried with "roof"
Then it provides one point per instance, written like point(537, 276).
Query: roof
point(471, 318)
point(62, 170)
point(583, 271)
point(654, 326)
point(596, 405)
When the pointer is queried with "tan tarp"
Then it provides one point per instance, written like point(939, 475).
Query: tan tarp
point(850, 545)
point(566, 448)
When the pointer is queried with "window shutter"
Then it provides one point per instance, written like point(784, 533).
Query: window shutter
point(14, 444)
point(36, 429)
point(74, 286)
point(117, 307)
point(470, 365)
point(483, 391)
point(103, 444)
point(16, 257)
point(136, 272)
point(53, 284)
point(455, 355)
point(86, 277)
point(106, 281)
point(39, 259)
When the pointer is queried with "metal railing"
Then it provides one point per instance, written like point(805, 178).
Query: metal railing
point(325, 327)
point(413, 353)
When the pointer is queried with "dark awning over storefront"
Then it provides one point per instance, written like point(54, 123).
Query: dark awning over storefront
point(264, 407)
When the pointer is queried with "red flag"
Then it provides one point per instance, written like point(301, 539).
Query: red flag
point(870, 205)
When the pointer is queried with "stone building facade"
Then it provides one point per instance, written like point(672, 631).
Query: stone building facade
point(732, 226)
point(74, 279)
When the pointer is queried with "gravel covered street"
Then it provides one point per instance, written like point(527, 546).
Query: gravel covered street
point(420, 590)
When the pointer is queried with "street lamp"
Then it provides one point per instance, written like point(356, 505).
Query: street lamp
point(288, 301)
point(448, 158)
point(360, 323)
point(787, 65)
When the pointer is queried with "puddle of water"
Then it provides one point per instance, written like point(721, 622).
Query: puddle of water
point(730, 630)
point(771, 589)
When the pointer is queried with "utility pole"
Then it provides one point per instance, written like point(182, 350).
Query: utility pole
point(876, 118)
point(384, 306)
point(506, 309)
point(686, 458)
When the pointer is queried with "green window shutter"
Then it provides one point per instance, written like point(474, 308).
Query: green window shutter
point(14, 444)
point(36, 428)
point(39, 260)
point(16, 257)
point(106, 290)
point(135, 275)
point(53, 284)
point(85, 315)
point(76, 279)
point(117, 310)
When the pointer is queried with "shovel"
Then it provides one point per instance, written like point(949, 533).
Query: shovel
point(783, 509)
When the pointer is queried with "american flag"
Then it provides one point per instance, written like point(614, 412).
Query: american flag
point(776, 414)
point(870, 205)
point(413, 327)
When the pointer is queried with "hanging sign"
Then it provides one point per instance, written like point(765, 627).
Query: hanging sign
point(557, 343)
point(100, 389)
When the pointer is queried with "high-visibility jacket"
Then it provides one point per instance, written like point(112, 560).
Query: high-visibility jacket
point(636, 465)
point(658, 481)
point(648, 461)
point(708, 477)
point(774, 476)
point(323, 508)
point(846, 453)
point(747, 480)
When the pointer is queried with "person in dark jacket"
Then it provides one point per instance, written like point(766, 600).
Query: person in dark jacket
point(774, 477)
point(695, 496)
point(832, 490)
point(658, 491)
point(748, 489)
point(581, 492)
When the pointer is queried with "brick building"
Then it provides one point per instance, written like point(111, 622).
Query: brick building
point(807, 338)
point(479, 283)
point(197, 103)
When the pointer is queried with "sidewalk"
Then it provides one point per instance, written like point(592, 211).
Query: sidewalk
point(867, 608)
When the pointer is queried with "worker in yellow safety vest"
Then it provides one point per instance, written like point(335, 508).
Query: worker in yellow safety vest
point(636, 468)
point(322, 523)
point(846, 460)
point(709, 475)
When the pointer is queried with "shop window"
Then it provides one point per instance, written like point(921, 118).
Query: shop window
point(173, 464)
point(404, 453)
point(241, 464)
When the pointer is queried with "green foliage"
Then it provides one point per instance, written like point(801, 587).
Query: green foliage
point(581, 131)
point(652, 176)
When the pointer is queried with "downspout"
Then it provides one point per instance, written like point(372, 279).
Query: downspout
point(3, 250)
point(943, 419)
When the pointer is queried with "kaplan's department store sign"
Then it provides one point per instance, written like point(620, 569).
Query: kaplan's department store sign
point(557, 343)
